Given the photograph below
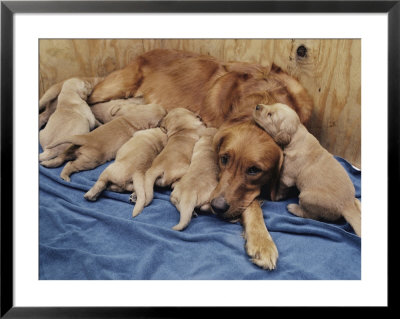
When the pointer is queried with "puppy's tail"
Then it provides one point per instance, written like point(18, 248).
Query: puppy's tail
point(138, 187)
point(151, 175)
point(187, 206)
point(352, 215)
point(74, 139)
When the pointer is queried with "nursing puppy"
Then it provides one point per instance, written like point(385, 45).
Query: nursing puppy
point(49, 100)
point(183, 129)
point(326, 191)
point(101, 145)
point(132, 161)
point(71, 116)
point(107, 111)
point(195, 187)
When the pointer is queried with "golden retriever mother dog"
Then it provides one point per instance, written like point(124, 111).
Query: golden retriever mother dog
point(221, 93)
point(326, 191)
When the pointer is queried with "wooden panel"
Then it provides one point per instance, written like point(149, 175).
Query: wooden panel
point(329, 69)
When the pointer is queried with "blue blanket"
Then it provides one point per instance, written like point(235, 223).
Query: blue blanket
point(100, 240)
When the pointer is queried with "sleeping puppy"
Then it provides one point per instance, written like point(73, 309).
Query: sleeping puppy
point(71, 116)
point(48, 102)
point(107, 111)
point(183, 129)
point(132, 161)
point(326, 191)
point(195, 187)
point(101, 145)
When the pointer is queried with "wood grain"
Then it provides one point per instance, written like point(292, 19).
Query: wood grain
point(330, 70)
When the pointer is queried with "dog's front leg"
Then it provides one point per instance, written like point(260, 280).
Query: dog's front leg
point(259, 244)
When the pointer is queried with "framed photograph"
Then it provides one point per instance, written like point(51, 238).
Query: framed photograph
point(65, 255)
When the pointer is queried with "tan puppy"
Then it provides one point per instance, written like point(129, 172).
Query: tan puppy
point(48, 102)
point(195, 187)
point(107, 111)
point(183, 129)
point(101, 145)
point(132, 161)
point(326, 191)
point(71, 116)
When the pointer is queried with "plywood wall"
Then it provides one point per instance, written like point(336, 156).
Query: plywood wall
point(329, 69)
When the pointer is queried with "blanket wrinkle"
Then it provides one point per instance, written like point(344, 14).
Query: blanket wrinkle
point(82, 240)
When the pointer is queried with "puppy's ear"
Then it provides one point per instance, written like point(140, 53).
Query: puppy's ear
point(162, 125)
point(282, 138)
point(115, 109)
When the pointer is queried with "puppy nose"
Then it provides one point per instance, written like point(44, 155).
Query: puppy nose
point(219, 205)
point(258, 107)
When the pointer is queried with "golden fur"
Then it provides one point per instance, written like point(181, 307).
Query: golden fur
point(248, 159)
point(183, 130)
point(71, 115)
point(48, 102)
point(107, 111)
point(194, 189)
point(101, 145)
point(326, 191)
point(132, 161)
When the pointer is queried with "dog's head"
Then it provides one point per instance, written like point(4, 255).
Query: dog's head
point(248, 159)
point(278, 120)
point(179, 119)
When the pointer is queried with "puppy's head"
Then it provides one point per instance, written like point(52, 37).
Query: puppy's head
point(248, 158)
point(179, 119)
point(278, 120)
point(142, 116)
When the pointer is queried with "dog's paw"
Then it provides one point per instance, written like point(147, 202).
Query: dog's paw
point(263, 252)
point(133, 198)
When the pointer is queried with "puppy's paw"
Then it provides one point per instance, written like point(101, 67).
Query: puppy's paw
point(295, 210)
point(65, 177)
point(90, 196)
point(133, 198)
point(263, 252)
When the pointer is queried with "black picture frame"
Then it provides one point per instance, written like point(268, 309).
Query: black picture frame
point(9, 8)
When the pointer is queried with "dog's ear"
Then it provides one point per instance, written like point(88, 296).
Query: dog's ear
point(276, 177)
point(115, 109)
point(218, 140)
point(224, 93)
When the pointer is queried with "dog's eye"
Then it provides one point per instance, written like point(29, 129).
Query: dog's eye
point(254, 170)
point(224, 159)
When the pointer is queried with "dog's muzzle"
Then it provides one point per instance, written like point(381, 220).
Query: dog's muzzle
point(219, 205)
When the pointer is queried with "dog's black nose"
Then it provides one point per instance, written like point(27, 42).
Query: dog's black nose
point(258, 107)
point(219, 205)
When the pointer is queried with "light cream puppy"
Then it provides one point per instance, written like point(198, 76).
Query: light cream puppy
point(183, 129)
point(48, 102)
point(71, 116)
point(193, 190)
point(107, 111)
point(101, 145)
point(132, 161)
point(326, 191)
